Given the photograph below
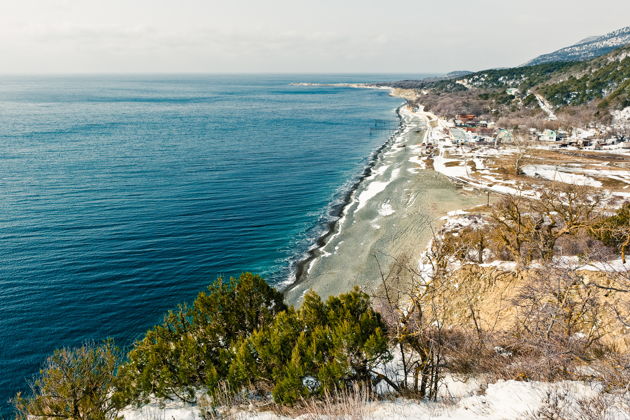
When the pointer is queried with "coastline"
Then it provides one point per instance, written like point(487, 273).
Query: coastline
point(336, 213)
point(388, 214)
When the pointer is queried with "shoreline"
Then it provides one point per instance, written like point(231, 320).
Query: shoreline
point(389, 212)
point(336, 214)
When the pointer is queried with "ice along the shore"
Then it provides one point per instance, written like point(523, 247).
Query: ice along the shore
point(388, 216)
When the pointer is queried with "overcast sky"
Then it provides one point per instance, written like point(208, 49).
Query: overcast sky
point(407, 36)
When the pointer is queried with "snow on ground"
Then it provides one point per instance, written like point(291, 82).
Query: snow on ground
point(421, 163)
point(623, 176)
point(546, 107)
point(460, 400)
point(480, 164)
point(501, 265)
point(440, 164)
point(621, 117)
point(374, 188)
point(502, 400)
point(464, 83)
point(386, 209)
point(481, 176)
point(615, 266)
point(555, 173)
point(570, 262)
point(458, 219)
point(170, 410)
point(500, 187)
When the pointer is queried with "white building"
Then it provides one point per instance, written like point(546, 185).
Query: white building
point(548, 135)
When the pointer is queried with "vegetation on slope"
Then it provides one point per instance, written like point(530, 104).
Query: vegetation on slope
point(318, 348)
point(522, 78)
point(194, 346)
point(595, 80)
point(73, 384)
point(517, 77)
point(239, 341)
point(580, 92)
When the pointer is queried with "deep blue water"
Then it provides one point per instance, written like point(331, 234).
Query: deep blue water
point(121, 196)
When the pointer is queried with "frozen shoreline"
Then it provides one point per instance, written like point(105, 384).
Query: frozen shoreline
point(337, 213)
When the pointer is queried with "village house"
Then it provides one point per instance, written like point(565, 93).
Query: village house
point(548, 135)
point(465, 120)
point(504, 136)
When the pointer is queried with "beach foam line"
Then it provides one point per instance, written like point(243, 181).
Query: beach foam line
point(338, 215)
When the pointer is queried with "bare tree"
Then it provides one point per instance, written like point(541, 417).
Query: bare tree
point(512, 226)
point(562, 209)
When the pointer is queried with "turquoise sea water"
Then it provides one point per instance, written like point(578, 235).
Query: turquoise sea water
point(121, 196)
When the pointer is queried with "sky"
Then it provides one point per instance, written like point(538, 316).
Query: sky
point(291, 36)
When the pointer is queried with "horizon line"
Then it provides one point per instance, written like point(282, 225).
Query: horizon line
point(214, 73)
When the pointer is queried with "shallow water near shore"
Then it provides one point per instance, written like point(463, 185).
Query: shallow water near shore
point(122, 196)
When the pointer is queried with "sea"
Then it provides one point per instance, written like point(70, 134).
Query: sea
point(122, 196)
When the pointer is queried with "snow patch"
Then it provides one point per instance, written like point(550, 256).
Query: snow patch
point(386, 209)
point(553, 173)
point(371, 191)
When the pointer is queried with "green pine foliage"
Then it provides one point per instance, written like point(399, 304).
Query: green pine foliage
point(603, 81)
point(614, 231)
point(238, 336)
point(619, 98)
point(320, 347)
point(523, 78)
point(595, 82)
point(194, 346)
point(519, 77)
point(530, 101)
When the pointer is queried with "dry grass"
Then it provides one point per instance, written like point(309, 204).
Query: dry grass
point(408, 94)
point(502, 168)
point(485, 297)
point(348, 404)
point(555, 157)
point(224, 404)
point(617, 159)
point(560, 404)
point(610, 183)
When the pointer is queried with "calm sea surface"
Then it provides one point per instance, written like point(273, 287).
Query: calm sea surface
point(121, 196)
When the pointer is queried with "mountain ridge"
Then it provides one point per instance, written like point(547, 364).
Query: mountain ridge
point(587, 48)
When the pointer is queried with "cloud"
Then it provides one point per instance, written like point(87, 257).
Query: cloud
point(281, 35)
point(254, 43)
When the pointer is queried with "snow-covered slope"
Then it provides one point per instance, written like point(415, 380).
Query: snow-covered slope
point(587, 48)
point(503, 400)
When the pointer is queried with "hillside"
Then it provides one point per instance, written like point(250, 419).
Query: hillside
point(579, 92)
point(603, 79)
point(606, 78)
point(587, 48)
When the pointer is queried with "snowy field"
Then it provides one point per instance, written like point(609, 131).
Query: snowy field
point(476, 165)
